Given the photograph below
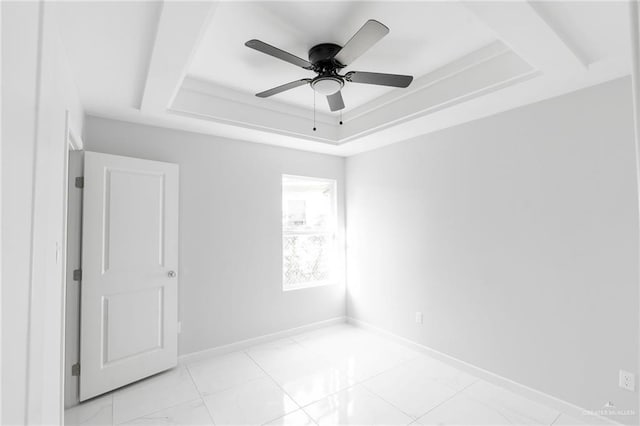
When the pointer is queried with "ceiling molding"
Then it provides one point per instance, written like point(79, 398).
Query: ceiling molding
point(269, 104)
point(180, 27)
point(208, 107)
point(494, 73)
point(525, 31)
point(474, 58)
point(192, 123)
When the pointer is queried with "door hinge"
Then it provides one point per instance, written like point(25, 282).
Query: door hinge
point(75, 369)
point(80, 182)
point(77, 274)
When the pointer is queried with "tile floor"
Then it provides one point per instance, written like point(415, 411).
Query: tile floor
point(335, 375)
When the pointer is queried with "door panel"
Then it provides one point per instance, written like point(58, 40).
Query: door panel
point(133, 237)
point(124, 338)
point(129, 253)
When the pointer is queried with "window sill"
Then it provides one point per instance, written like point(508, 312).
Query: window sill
point(309, 285)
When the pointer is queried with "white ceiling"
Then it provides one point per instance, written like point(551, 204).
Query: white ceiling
point(596, 30)
point(109, 46)
point(184, 64)
point(423, 36)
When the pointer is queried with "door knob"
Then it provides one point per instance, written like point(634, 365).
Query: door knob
point(171, 274)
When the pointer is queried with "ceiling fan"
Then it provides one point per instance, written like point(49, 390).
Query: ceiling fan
point(327, 59)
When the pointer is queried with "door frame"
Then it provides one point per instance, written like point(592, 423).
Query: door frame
point(73, 142)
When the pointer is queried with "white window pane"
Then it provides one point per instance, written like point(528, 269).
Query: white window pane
point(306, 259)
point(296, 213)
point(308, 225)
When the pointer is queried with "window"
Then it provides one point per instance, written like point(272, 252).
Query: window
point(308, 231)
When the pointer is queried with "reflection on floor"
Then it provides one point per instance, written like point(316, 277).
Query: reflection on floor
point(335, 375)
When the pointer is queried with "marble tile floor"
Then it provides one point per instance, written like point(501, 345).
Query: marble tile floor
point(338, 375)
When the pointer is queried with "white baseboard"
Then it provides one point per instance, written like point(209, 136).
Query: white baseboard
point(244, 344)
point(532, 394)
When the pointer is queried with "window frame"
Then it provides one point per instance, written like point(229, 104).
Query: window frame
point(331, 233)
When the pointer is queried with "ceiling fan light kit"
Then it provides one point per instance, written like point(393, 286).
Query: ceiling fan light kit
point(327, 59)
point(327, 85)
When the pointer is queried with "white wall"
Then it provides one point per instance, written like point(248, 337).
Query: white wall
point(230, 286)
point(516, 236)
point(37, 93)
point(19, 59)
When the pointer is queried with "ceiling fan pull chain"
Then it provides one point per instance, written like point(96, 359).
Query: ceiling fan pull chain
point(314, 110)
point(341, 117)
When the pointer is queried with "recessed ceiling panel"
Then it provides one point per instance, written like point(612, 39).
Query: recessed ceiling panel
point(423, 36)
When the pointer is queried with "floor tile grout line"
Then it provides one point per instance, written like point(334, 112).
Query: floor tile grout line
point(193, 381)
point(331, 365)
point(356, 383)
point(478, 379)
point(314, 401)
point(122, 391)
point(446, 400)
point(359, 383)
point(413, 419)
point(81, 420)
point(206, 394)
point(272, 379)
point(195, 385)
point(320, 356)
point(499, 407)
point(281, 388)
point(556, 419)
point(157, 411)
point(350, 387)
point(206, 407)
point(416, 418)
point(267, 375)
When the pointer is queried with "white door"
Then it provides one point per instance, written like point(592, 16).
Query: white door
point(128, 323)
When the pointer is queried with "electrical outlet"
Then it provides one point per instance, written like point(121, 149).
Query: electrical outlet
point(627, 380)
point(418, 317)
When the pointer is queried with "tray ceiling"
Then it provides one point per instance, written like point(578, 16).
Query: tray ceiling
point(184, 64)
point(423, 37)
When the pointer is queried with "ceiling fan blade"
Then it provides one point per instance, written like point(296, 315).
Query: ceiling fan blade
point(393, 80)
point(335, 101)
point(263, 47)
point(370, 33)
point(283, 88)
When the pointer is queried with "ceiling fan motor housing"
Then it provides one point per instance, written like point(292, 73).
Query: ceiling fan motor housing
point(328, 81)
point(322, 58)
